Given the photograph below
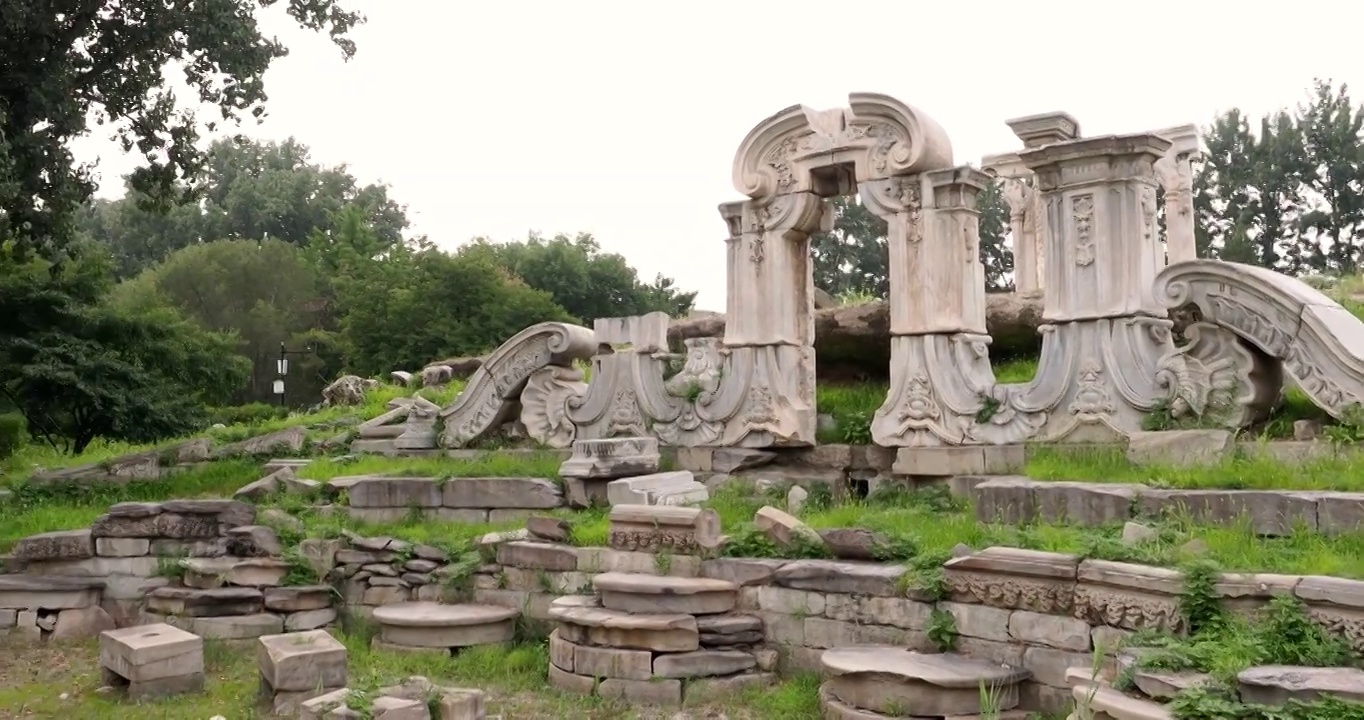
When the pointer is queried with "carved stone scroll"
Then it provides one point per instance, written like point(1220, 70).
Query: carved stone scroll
point(494, 388)
point(1319, 343)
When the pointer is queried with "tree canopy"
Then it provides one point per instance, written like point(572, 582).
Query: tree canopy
point(71, 63)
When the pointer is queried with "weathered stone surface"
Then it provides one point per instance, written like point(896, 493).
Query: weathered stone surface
point(732, 460)
point(232, 513)
point(122, 547)
point(1164, 686)
point(644, 692)
point(29, 592)
point(548, 528)
point(301, 661)
point(784, 529)
point(655, 528)
point(669, 488)
point(892, 680)
point(146, 653)
point(1054, 631)
point(1268, 512)
point(1275, 685)
point(629, 592)
point(1128, 596)
point(1179, 448)
point(254, 541)
point(1011, 578)
point(228, 627)
point(832, 576)
point(853, 543)
point(59, 545)
point(282, 442)
point(536, 555)
point(583, 621)
point(531, 493)
point(309, 619)
point(428, 624)
point(194, 602)
point(86, 622)
point(394, 492)
point(742, 571)
point(298, 598)
point(703, 663)
point(612, 662)
point(611, 458)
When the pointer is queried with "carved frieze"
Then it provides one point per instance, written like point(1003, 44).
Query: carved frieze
point(1011, 592)
point(1215, 376)
point(1127, 609)
point(1082, 214)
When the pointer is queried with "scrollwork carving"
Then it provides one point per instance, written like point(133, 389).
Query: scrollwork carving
point(1101, 605)
point(544, 405)
point(495, 387)
point(1210, 376)
point(1011, 592)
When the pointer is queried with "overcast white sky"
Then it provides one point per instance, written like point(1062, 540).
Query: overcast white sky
point(621, 118)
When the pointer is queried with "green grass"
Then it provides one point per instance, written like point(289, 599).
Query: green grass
point(852, 408)
point(533, 464)
point(59, 679)
point(35, 457)
point(1343, 471)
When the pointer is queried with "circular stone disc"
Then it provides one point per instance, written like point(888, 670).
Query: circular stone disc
point(947, 670)
point(430, 614)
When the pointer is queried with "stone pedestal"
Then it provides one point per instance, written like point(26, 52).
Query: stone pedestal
point(152, 660)
point(1106, 332)
point(939, 350)
point(295, 667)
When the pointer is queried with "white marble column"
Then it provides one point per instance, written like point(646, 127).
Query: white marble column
point(1105, 332)
point(1175, 171)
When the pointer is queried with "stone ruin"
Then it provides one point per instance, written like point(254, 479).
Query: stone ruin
point(1084, 220)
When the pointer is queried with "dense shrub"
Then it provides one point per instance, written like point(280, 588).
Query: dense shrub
point(12, 432)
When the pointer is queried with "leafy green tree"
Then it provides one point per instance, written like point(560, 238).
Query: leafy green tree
point(262, 293)
point(1331, 127)
point(1222, 198)
point(68, 64)
point(994, 225)
point(853, 259)
point(78, 369)
point(251, 190)
point(582, 279)
point(417, 304)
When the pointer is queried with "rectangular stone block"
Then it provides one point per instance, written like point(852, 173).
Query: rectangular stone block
point(394, 492)
point(670, 488)
point(869, 610)
point(980, 621)
point(789, 602)
point(1055, 631)
point(147, 653)
point(1179, 448)
point(1339, 512)
point(1085, 504)
point(940, 461)
point(561, 652)
point(122, 547)
point(1271, 513)
point(1014, 579)
point(492, 492)
point(1132, 597)
point(301, 661)
point(613, 663)
point(542, 556)
point(60, 545)
point(1006, 500)
point(846, 577)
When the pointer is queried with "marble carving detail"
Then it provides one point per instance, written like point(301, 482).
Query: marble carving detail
point(544, 410)
point(1295, 329)
point(494, 389)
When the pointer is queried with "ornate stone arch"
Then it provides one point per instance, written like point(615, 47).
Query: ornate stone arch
point(878, 135)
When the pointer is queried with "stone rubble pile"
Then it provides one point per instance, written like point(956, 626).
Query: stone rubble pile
point(39, 608)
point(1271, 686)
point(657, 639)
point(868, 682)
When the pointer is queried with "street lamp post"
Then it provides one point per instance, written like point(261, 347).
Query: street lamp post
point(282, 367)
